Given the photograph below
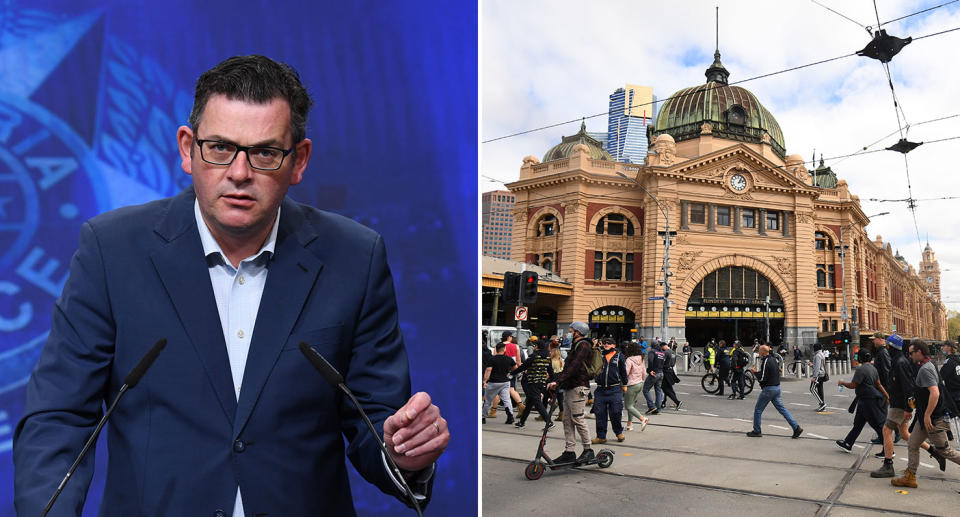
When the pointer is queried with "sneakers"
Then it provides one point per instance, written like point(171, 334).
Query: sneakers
point(822, 408)
point(586, 455)
point(877, 441)
point(732, 396)
point(598, 441)
point(880, 455)
point(483, 420)
point(677, 407)
point(843, 445)
point(519, 425)
point(740, 397)
point(643, 425)
point(754, 434)
point(549, 426)
point(885, 471)
point(621, 437)
point(652, 411)
point(939, 457)
point(628, 427)
point(509, 418)
point(566, 457)
point(797, 431)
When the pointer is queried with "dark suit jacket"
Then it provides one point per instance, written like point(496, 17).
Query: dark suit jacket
point(180, 442)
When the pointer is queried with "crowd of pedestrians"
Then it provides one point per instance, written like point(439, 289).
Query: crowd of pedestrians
point(898, 391)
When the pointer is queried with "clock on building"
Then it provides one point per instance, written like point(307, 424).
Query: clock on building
point(738, 182)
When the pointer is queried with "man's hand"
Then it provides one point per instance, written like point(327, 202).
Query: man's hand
point(624, 388)
point(928, 423)
point(416, 435)
point(552, 386)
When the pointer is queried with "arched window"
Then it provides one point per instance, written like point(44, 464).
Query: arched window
point(737, 115)
point(615, 224)
point(823, 241)
point(613, 266)
point(548, 225)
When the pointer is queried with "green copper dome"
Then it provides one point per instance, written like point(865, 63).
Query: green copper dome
point(565, 148)
point(733, 112)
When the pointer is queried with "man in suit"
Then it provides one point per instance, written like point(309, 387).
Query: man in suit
point(231, 419)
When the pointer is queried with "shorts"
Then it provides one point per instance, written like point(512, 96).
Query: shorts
point(895, 417)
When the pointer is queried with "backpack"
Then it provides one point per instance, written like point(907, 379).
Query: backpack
point(742, 358)
point(594, 361)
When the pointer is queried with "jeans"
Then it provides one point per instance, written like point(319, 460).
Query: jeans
point(655, 382)
point(608, 402)
point(737, 383)
point(767, 395)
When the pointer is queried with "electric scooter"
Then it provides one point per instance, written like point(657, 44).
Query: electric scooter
point(536, 468)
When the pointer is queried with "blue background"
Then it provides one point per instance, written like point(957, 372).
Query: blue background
point(91, 94)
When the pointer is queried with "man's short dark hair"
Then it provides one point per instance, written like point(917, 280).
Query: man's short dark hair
point(921, 346)
point(255, 79)
point(501, 346)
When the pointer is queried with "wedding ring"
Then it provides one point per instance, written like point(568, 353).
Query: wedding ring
point(436, 426)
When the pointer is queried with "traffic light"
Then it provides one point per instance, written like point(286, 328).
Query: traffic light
point(844, 337)
point(511, 287)
point(528, 287)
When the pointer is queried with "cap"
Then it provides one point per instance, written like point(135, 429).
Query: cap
point(879, 335)
point(533, 338)
point(506, 334)
point(895, 341)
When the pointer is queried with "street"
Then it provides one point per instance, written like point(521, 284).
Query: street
point(698, 461)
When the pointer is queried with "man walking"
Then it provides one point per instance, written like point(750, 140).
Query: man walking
point(575, 384)
point(739, 360)
point(537, 371)
point(723, 365)
point(950, 372)
point(930, 422)
point(669, 377)
point(769, 379)
point(818, 376)
point(608, 397)
point(654, 379)
point(496, 382)
point(870, 400)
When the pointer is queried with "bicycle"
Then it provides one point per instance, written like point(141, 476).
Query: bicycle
point(710, 382)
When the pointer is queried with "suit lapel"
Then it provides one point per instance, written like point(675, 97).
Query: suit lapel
point(293, 270)
point(183, 271)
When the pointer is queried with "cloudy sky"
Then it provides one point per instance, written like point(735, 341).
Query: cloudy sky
point(548, 62)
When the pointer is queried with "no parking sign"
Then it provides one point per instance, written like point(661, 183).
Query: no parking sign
point(520, 314)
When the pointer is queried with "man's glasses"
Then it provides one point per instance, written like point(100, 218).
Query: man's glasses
point(262, 158)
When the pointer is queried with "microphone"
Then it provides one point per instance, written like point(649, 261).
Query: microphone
point(129, 381)
point(331, 375)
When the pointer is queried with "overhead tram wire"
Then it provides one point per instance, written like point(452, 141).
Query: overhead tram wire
point(881, 139)
point(698, 90)
point(914, 14)
point(838, 13)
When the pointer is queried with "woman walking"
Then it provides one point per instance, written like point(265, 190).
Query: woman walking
point(636, 372)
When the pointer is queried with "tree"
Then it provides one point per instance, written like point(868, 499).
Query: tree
point(953, 325)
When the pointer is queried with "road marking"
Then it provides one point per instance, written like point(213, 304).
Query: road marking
point(785, 391)
point(799, 404)
point(904, 459)
point(837, 408)
point(708, 414)
point(925, 465)
point(682, 393)
point(837, 395)
point(709, 395)
point(817, 436)
point(742, 420)
point(858, 446)
point(778, 427)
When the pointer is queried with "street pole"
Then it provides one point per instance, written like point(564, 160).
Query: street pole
point(523, 267)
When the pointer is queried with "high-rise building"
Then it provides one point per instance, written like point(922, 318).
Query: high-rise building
point(497, 220)
point(631, 109)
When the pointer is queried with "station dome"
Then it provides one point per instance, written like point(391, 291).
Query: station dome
point(566, 147)
point(733, 112)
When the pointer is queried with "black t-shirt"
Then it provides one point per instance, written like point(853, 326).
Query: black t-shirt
point(866, 378)
point(501, 365)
